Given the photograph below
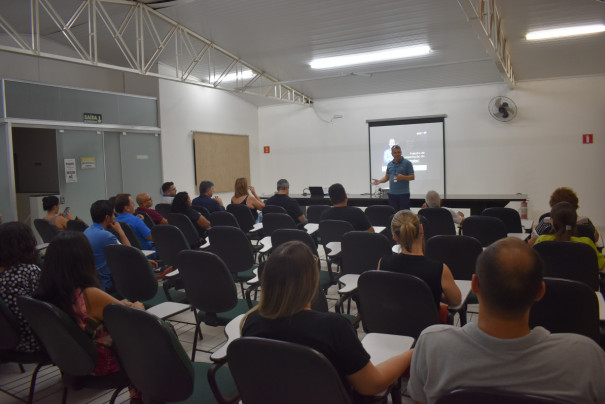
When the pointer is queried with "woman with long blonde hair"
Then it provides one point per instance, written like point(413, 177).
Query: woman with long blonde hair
point(409, 233)
point(243, 197)
point(290, 280)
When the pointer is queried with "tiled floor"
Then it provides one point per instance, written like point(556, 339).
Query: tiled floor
point(49, 389)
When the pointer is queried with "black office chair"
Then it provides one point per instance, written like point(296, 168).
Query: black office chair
point(314, 212)
point(76, 225)
point(570, 260)
point(133, 279)
point(211, 291)
point(169, 241)
point(46, 230)
point(567, 306)
point(486, 229)
point(187, 227)
point(233, 247)
point(509, 216)
point(395, 303)
point(166, 374)
point(223, 218)
point(291, 373)
point(202, 210)
point(471, 395)
point(147, 219)
point(380, 215)
point(9, 339)
point(440, 222)
point(274, 221)
point(332, 231)
point(130, 235)
point(69, 348)
point(272, 209)
point(163, 208)
point(243, 215)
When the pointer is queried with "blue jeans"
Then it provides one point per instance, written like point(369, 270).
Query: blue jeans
point(400, 202)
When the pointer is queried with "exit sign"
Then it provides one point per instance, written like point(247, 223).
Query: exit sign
point(587, 138)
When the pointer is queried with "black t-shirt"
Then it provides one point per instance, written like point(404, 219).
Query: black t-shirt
point(290, 205)
point(350, 214)
point(418, 265)
point(328, 333)
point(194, 216)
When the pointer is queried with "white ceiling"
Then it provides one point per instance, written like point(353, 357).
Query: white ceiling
point(281, 37)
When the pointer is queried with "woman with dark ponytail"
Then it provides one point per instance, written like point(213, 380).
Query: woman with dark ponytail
point(409, 233)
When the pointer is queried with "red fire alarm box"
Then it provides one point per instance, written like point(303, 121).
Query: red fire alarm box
point(267, 149)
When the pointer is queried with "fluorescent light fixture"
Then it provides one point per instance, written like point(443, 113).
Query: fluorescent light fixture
point(246, 74)
point(371, 57)
point(565, 32)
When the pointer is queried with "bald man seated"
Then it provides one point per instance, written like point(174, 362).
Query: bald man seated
point(145, 203)
point(500, 351)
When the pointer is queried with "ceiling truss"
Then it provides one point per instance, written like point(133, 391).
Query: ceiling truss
point(150, 44)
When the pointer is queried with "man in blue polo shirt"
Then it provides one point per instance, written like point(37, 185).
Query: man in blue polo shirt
point(125, 208)
point(399, 174)
point(206, 200)
point(101, 213)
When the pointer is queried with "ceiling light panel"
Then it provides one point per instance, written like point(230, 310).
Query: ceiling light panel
point(370, 57)
point(565, 32)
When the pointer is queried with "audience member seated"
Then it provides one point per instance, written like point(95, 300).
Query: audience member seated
point(19, 276)
point(206, 200)
point(125, 208)
point(563, 218)
point(101, 213)
point(433, 200)
point(69, 281)
point(51, 205)
point(282, 198)
point(290, 281)
point(562, 194)
point(145, 203)
point(182, 204)
point(168, 192)
point(242, 197)
point(409, 234)
point(340, 210)
point(500, 351)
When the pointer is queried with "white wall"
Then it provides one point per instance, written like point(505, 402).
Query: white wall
point(186, 108)
point(535, 153)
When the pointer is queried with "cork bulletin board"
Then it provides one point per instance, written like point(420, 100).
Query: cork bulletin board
point(221, 159)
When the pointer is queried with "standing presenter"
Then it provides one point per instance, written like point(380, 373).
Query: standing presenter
point(399, 174)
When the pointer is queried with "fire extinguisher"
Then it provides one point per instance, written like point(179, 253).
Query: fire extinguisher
point(523, 210)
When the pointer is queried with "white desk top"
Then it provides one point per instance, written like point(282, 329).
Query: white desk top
point(520, 236)
point(601, 305)
point(350, 283)
point(379, 229)
point(168, 309)
point(266, 242)
point(232, 332)
point(527, 224)
point(312, 227)
point(465, 290)
point(384, 346)
point(147, 253)
point(334, 247)
point(255, 279)
point(256, 227)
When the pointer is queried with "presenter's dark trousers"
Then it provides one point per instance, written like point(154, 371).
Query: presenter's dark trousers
point(400, 202)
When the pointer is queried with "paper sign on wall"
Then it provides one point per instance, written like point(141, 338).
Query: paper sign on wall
point(88, 162)
point(70, 170)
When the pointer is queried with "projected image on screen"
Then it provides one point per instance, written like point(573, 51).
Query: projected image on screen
point(422, 145)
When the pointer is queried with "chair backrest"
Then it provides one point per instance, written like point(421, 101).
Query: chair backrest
point(291, 373)
point(395, 303)
point(147, 219)
point(481, 396)
point(459, 253)
point(223, 218)
point(131, 272)
point(510, 217)
point(570, 260)
point(274, 221)
point(163, 208)
point(281, 236)
point(314, 212)
point(169, 241)
point(243, 214)
point(379, 215)
point(585, 230)
point(333, 230)
point(46, 230)
point(361, 251)
point(130, 235)
point(543, 216)
point(232, 245)
point(207, 280)
point(76, 225)
point(186, 226)
point(440, 222)
point(272, 209)
point(162, 375)
point(9, 328)
point(67, 345)
point(204, 212)
point(567, 306)
point(486, 229)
